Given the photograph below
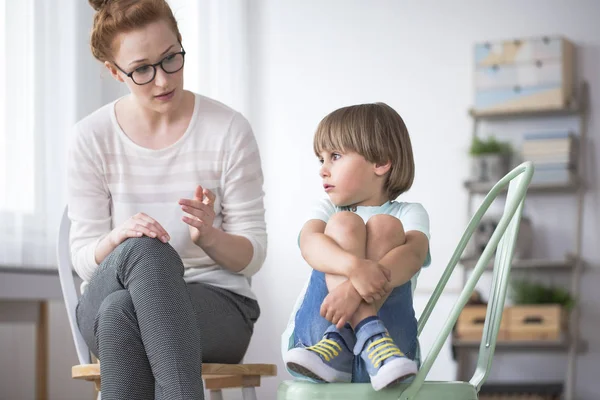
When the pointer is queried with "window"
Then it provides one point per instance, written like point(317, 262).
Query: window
point(17, 176)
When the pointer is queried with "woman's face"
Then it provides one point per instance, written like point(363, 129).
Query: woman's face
point(137, 51)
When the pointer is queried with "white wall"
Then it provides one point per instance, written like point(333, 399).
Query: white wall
point(310, 57)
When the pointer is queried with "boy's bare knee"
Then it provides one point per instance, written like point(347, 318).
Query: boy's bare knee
point(386, 227)
point(384, 232)
point(345, 224)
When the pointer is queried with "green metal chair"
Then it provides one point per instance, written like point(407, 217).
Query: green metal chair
point(503, 239)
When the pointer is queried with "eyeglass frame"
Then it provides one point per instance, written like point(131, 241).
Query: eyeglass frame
point(130, 74)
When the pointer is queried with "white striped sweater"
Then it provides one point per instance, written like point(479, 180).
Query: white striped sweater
point(110, 178)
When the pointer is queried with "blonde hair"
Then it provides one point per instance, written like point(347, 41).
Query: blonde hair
point(118, 16)
point(376, 132)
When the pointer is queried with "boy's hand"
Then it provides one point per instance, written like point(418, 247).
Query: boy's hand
point(371, 280)
point(340, 304)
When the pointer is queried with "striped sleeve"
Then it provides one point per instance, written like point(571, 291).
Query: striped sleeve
point(243, 197)
point(88, 202)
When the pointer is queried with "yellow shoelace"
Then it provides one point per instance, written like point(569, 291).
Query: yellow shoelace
point(326, 348)
point(383, 349)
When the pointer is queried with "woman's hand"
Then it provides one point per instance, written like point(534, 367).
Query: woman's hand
point(341, 304)
point(136, 226)
point(371, 280)
point(201, 215)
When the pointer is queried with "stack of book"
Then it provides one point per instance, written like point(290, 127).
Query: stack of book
point(554, 155)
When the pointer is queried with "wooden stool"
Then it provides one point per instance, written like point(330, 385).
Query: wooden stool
point(216, 377)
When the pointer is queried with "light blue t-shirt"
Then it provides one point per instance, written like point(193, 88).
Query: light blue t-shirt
point(413, 216)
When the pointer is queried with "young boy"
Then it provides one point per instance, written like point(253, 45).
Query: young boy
point(354, 321)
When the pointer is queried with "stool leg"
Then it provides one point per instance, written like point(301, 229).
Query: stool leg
point(41, 353)
point(248, 393)
point(216, 395)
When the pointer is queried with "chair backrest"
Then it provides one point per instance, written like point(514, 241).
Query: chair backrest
point(502, 243)
point(67, 283)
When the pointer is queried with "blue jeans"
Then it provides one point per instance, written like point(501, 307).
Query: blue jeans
point(397, 314)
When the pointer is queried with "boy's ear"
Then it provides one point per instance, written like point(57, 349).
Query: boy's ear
point(382, 169)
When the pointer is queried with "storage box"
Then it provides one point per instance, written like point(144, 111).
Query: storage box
point(537, 322)
point(524, 74)
point(471, 320)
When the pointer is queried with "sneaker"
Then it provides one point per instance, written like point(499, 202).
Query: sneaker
point(330, 360)
point(385, 362)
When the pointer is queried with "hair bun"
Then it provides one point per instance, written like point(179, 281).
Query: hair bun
point(98, 4)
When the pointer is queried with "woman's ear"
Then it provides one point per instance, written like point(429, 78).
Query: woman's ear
point(382, 169)
point(113, 71)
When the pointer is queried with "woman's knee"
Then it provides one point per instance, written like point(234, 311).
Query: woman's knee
point(142, 245)
point(146, 254)
point(384, 232)
point(345, 224)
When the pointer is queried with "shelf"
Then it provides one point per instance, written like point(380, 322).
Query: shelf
point(553, 112)
point(566, 187)
point(533, 345)
point(570, 344)
point(529, 264)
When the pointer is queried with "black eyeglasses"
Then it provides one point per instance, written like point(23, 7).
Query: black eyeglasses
point(145, 74)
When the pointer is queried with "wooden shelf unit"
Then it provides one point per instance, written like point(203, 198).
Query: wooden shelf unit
point(572, 264)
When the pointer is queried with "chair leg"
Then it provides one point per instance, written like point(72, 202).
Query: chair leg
point(216, 394)
point(249, 393)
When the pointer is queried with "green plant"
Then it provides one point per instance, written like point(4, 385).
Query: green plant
point(489, 146)
point(523, 292)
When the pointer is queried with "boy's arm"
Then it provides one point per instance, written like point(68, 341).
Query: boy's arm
point(370, 279)
point(322, 253)
point(406, 260)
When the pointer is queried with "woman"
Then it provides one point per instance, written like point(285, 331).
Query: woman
point(166, 204)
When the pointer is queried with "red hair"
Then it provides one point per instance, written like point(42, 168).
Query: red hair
point(118, 16)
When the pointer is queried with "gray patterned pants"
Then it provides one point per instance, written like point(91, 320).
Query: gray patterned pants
point(152, 331)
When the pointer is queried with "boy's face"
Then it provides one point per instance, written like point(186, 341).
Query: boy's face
point(350, 180)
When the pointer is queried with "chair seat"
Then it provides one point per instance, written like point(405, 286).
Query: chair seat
point(216, 376)
point(431, 390)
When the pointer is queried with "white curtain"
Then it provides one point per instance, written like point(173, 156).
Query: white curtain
point(37, 108)
point(215, 38)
